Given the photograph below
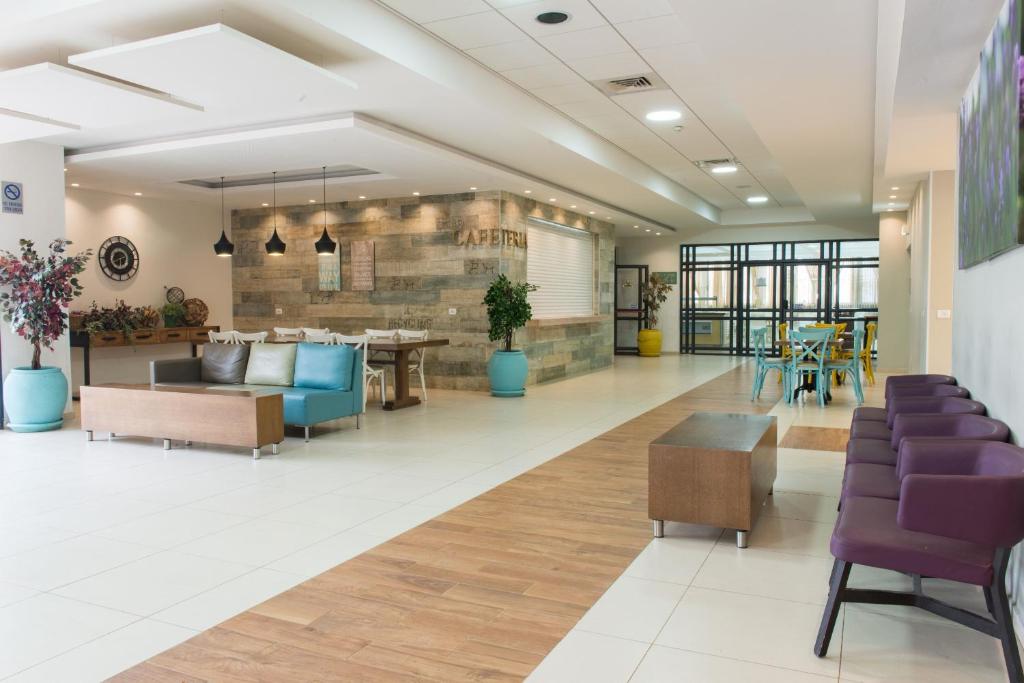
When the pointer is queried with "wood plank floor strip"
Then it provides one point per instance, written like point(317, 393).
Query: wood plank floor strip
point(816, 438)
point(482, 592)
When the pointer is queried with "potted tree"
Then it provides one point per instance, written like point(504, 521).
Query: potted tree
point(654, 293)
point(38, 291)
point(507, 310)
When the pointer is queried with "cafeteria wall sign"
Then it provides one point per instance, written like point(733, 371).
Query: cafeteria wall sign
point(12, 197)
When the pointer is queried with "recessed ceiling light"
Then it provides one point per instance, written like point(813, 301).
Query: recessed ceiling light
point(892, 203)
point(138, 194)
point(892, 196)
point(572, 206)
point(664, 115)
point(552, 17)
point(552, 199)
point(658, 234)
point(592, 213)
point(74, 184)
point(894, 188)
point(724, 168)
point(266, 204)
point(527, 191)
point(415, 194)
point(312, 201)
point(362, 196)
point(890, 209)
point(607, 218)
point(636, 226)
point(647, 229)
point(757, 199)
point(472, 189)
point(65, 170)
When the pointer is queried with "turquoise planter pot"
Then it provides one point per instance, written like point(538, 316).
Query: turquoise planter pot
point(507, 372)
point(35, 399)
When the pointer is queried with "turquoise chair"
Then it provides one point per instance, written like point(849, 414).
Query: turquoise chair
point(850, 365)
point(764, 363)
point(810, 352)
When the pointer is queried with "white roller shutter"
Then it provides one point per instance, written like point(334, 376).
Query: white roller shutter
point(560, 261)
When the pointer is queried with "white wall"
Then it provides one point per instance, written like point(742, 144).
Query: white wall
point(931, 222)
point(175, 242)
point(662, 254)
point(40, 168)
point(894, 289)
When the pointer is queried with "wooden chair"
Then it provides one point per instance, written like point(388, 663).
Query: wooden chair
point(849, 366)
point(809, 349)
point(230, 337)
point(765, 363)
point(250, 337)
point(416, 357)
point(369, 374)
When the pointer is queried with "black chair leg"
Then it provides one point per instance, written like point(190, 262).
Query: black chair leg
point(840, 575)
point(989, 605)
point(1006, 635)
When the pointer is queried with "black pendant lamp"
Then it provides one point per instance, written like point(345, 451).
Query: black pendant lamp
point(223, 247)
point(325, 246)
point(275, 246)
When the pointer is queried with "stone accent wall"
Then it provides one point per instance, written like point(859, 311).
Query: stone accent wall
point(432, 253)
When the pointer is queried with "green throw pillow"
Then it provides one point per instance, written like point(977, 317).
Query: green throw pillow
point(271, 364)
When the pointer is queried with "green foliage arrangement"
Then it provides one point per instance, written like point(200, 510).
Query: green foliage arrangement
point(174, 314)
point(507, 308)
point(654, 293)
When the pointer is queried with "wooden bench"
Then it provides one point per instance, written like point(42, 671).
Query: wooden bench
point(713, 468)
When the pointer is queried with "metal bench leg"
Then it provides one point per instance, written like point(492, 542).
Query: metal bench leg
point(256, 453)
point(307, 434)
point(167, 444)
point(659, 528)
point(359, 420)
point(88, 435)
point(741, 538)
point(273, 449)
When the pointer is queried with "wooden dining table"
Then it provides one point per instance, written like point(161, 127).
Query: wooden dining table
point(399, 353)
point(808, 383)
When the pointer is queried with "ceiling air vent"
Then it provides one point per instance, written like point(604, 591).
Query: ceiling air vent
point(630, 84)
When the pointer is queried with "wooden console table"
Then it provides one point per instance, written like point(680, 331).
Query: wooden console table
point(163, 335)
point(713, 468)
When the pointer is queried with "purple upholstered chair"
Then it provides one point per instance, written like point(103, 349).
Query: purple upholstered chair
point(959, 513)
point(870, 429)
point(869, 414)
point(883, 481)
point(955, 426)
point(896, 380)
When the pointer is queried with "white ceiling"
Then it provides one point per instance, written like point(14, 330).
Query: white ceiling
point(823, 102)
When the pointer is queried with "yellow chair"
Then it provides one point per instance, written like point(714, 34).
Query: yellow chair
point(835, 352)
point(784, 338)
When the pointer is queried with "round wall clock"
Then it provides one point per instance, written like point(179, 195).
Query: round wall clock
point(119, 259)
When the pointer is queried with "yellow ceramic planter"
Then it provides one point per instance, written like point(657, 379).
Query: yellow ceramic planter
point(649, 342)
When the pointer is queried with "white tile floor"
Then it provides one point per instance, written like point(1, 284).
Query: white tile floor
point(113, 551)
point(693, 607)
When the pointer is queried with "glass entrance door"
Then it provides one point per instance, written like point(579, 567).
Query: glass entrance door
point(804, 293)
point(629, 307)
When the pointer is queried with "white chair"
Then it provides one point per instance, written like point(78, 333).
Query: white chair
point(288, 331)
point(417, 356)
point(315, 330)
point(230, 337)
point(250, 337)
point(383, 335)
point(321, 338)
point(369, 374)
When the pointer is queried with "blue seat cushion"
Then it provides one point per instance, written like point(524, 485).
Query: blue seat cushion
point(306, 406)
point(322, 366)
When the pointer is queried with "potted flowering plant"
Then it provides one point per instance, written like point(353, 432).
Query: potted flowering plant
point(508, 309)
point(38, 290)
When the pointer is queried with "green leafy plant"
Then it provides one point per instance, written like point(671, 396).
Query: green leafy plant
point(174, 314)
point(654, 293)
point(507, 308)
point(120, 318)
point(40, 288)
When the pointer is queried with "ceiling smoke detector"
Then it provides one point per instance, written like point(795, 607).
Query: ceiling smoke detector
point(552, 17)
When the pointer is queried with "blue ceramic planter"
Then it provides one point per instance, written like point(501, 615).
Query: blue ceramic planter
point(35, 399)
point(507, 372)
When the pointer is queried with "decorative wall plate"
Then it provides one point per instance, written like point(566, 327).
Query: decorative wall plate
point(119, 259)
point(175, 295)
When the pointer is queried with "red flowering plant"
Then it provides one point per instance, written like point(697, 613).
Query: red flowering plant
point(40, 288)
